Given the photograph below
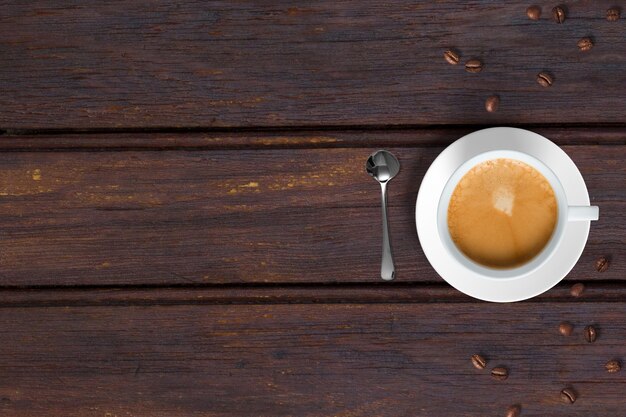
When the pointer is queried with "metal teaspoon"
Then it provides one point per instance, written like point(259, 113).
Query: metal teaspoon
point(383, 166)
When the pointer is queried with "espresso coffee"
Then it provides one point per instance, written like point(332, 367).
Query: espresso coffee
point(502, 213)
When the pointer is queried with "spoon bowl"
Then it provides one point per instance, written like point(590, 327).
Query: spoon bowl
point(382, 166)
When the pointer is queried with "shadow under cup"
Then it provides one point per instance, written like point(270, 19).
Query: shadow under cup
point(549, 248)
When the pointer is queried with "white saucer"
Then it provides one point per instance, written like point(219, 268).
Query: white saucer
point(496, 289)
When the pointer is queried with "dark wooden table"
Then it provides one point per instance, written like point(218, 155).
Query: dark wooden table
point(187, 229)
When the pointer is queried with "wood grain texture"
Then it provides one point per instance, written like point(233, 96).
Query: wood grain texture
point(186, 227)
point(304, 360)
point(153, 63)
point(288, 139)
point(249, 294)
point(239, 216)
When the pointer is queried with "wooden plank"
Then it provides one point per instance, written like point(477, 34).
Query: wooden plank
point(145, 63)
point(220, 217)
point(309, 360)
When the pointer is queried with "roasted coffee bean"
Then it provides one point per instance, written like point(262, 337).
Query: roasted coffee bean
point(568, 395)
point(558, 13)
point(451, 56)
point(533, 12)
point(478, 361)
point(544, 79)
point(491, 104)
point(566, 328)
point(612, 14)
point(585, 44)
point(513, 411)
point(500, 373)
point(613, 366)
point(474, 66)
point(577, 289)
point(590, 334)
point(602, 264)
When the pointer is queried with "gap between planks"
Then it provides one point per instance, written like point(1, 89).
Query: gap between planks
point(303, 138)
point(379, 293)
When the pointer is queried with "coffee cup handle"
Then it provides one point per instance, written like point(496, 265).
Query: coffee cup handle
point(582, 213)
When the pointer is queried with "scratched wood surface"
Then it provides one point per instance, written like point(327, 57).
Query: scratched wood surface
point(147, 63)
point(236, 216)
point(186, 228)
point(309, 360)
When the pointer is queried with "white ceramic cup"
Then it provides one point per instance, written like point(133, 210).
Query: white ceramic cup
point(565, 213)
point(561, 252)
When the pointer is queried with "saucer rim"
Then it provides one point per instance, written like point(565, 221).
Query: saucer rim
point(526, 286)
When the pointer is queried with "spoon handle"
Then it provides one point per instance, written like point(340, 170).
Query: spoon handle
point(387, 268)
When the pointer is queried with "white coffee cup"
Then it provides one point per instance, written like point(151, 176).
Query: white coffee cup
point(557, 257)
point(565, 213)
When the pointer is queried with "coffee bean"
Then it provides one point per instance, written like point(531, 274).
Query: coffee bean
point(500, 373)
point(479, 362)
point(577, 289)
point(544, 79)
point(558, 13)
point(451, 56)
point(491, 104)
point(613, 366)
point(585, 44)
point(602, 264)
point(533, 12)
point(513, 411)
point(612, 14)
point(568, 395)
point(566, 328)
point(474, 66)
point(590, 334)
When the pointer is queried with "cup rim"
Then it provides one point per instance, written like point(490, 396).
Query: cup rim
point(557, 233)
